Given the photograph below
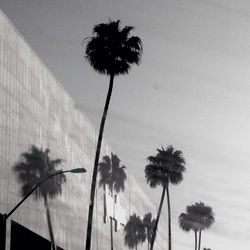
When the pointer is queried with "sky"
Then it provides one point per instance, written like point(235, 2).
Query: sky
point(191, 90)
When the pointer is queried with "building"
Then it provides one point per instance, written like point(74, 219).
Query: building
point(36, 110)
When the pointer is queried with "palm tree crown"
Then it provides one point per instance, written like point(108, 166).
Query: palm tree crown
point(202, 214)
point(165, 168)
point(134, 231)
point(34, 167)
point(111, 50)
point(112, 174)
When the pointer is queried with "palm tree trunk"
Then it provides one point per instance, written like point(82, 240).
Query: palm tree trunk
point(199, 247)
point(95, 170)
point(53, 245)
point(169, 220)
point(157, 219)
point(195, 239)
point(111, 233)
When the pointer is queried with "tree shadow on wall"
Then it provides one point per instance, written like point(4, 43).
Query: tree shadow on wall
point(149, 223)
point(113, 176)
point(134, 231)
point(34, 166)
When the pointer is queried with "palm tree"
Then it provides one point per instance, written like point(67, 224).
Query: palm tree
point(33, 168)
point(203, 215)
point(134, 232)
point(165, 168)
point(149, 225)
point(114, 176)
point(187, 223)
point(110, 51)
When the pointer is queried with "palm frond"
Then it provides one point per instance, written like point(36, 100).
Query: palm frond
point(111, 50)
point(167, 166)
point(202, 214)
point(134, 231)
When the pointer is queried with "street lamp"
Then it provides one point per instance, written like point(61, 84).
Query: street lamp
point(6, 216)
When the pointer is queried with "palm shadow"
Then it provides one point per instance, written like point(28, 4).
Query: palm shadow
point(135, 232)
point(113, 177)
point(149, 223)
point(33, 167)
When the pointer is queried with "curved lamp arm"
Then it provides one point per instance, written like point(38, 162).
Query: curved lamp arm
point(75, 170)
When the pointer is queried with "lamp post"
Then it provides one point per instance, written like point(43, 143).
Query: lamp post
point(6, 216)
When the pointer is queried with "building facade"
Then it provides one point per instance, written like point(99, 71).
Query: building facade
point(36, 110)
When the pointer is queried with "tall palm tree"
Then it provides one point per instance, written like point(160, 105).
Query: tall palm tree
point(33, 168)
point(134, 232)
point(149, 223)
point(165, 168)
point(114, 176)
point(203, 215)
point(187, 223)
point(110, 51)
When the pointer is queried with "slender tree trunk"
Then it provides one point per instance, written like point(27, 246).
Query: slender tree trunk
point(53, 245)
point(169, 221)
point(157, 219)
point(95, 170)
point(199, 247)
point(111, 233)
point(195, 239)
point(105, 205)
